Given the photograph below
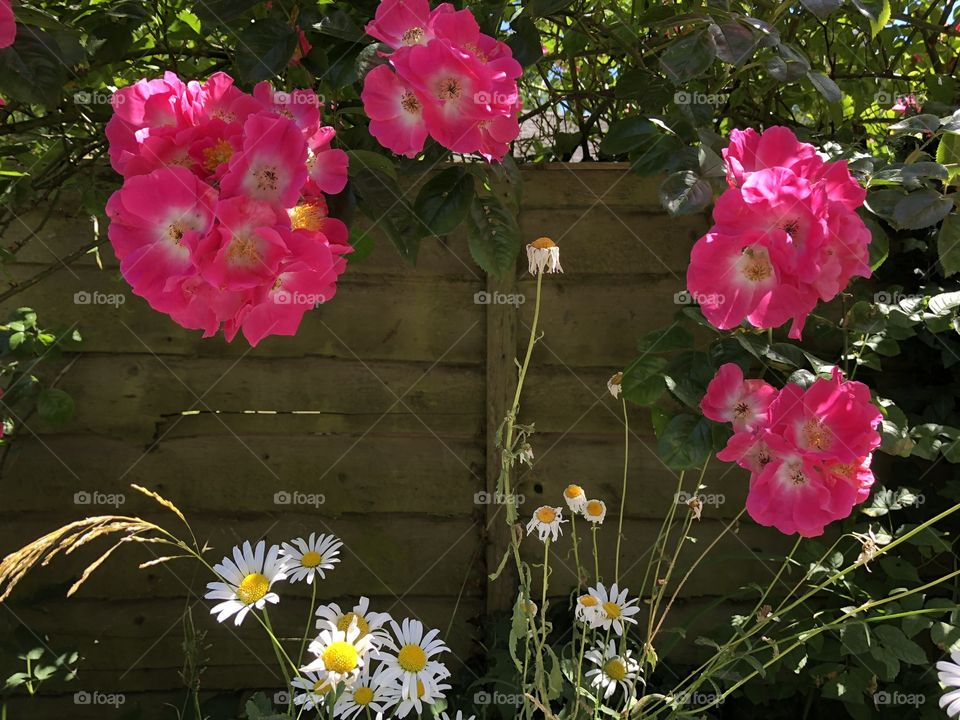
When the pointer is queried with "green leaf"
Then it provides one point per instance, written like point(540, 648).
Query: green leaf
point(263, 49)
point(876, 11)
point(685, 192)
point(219, 12)
point(628, 134)
point(369, 160)
point(735, 42)
point(55, 406)
point(689, 57)
point(826, 87)
point(31, 70)
point(917, 124)
point(948, 153)
point(948, 244)
point(493, 235)
point(675, 337)
point(899, 645)
point(381, 200)
point(945, 636)
point(921, 209)
point(445, 200)
point(642, 381)
point(542, 8)
point(855, 639)
point(525, 41)
point(821, 8)
point(686, 442)
point(340, 25)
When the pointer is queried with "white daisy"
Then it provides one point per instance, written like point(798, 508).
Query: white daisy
point(341, 654)
point(543, 255)
point(369, 622)
point(615, 611)
point(314, 690)
point(612, 669)
point(949, 674)
point(546, 521)
point(246, 581)
point(307, 558)
point(410, 660)
point(576, 498)
point(427, 690)
point(459, 716)
point(587, 608)
point(368, 693)
point(595, 511)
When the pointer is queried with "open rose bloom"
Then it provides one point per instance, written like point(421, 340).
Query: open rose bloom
point(808, 450)
point(222, 217)
point(444, 78)
point(785, 234)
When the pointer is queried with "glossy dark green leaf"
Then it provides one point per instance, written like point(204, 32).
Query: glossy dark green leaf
point(689, 56)
point(264, 49)
point(685, 192)
point(55, 406)
point(921, 209)
point(525, 41)
point(686, 442)
point(629, 134)
point(31, 70)
point(948, 244)
point(493, 235)
point(445, 200)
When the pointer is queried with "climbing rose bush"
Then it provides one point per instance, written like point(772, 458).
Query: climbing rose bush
point(808, 450)
point(222, 217)
point(443, 78)
point(785, 234)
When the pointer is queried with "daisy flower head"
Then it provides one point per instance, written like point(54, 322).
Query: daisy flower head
point(369, 622)
point(427, 690)
point(246, 579)
point(368, 693)
point(546, 521)
point(949, 674)
point(588, 606)
point(313, 690)
point(576, 498)
point(595, 511)
point(411, 659)
point(458, 716)
point(612, 669)
point(307, 558)
point(614, 610)
point(341, 655)
point(543, 255)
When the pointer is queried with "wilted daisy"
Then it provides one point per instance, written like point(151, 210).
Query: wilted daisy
point(614, 385)
point(614, 610)
point(341, 654)
point(575, 497)
point(612, 669)
point(410, 660)
point(595, 511)
point(428, 690)
point(366, 620)
point(307, 558)
point(949, 674)
point(368, 693)
point(543, 255)
point(546, 521)
point(247, 579)
point(314, 690)
point(587, 608)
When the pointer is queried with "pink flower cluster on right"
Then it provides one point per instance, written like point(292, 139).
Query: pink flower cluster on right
point(808, 450)
point(445, 79)
point(785, 234)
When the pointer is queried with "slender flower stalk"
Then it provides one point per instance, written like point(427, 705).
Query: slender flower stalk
point(623, 492)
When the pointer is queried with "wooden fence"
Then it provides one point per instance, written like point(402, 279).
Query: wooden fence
point(385, 404)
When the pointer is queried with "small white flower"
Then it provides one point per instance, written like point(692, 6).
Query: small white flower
point(307, 558)
point(869, 545)
point(409, 659)
point(614, 610)
point(341, 655)
point(246, 581)
point(949, 674)
point(459, 716)
point(614, 385)
point(314, 690)
point(587, 608)
point(543, 255)
point(612, 669)
point(576, 498)
point(595, 511)
point(546, 521)
point(368, 692)
point(426, 691)
point(526, 454)
point(369, 622)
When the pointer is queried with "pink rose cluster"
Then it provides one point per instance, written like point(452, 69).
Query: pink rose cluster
point(444, 78)
point(222, 218)
point(785, 234)
point(808, 450)
point(8, 25)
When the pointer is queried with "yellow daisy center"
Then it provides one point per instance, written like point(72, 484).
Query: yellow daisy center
point(344, 623)
point(587, 600)
point(573, 491)
point(612, 610)
point(615, 669)
point(363, 696)
point(546, 515)
point(252, 588)
point(595, 507)
point(311, 559)
point(340, 657)
point(412, 658)
point(543, 243)
point(321, 687)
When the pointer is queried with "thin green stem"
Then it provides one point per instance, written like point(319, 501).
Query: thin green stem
point(306, 629)
point(623, 491)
